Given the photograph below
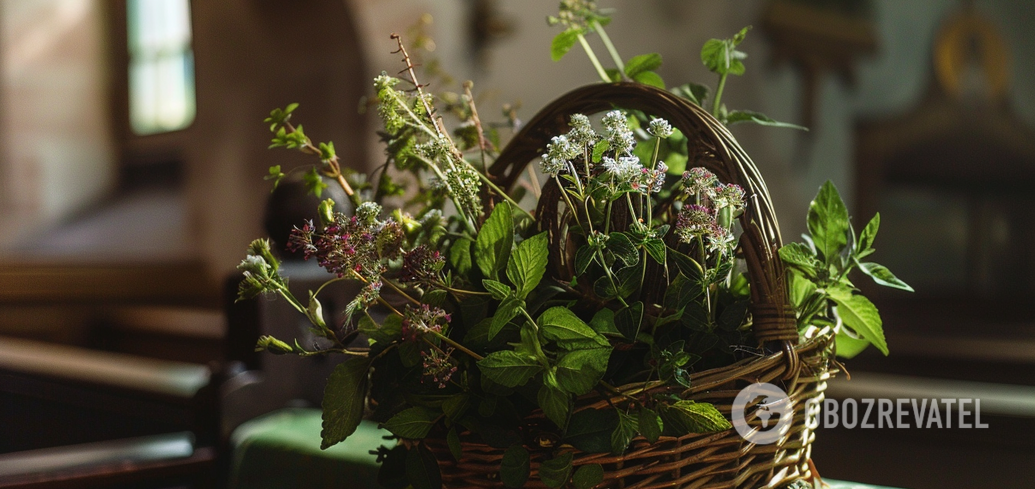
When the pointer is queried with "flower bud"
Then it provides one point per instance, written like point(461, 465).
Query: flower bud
point(315, 311)
point(272, 345)
point(326, 211)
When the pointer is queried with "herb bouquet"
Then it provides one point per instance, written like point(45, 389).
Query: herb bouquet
point(597, 337)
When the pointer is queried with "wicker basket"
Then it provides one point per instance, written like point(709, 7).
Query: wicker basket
point(798, 366)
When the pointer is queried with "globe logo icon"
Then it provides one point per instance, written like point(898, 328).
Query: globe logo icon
point(769, 410)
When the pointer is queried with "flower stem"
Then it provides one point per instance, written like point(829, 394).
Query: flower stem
point(456, 345)
point(610, 47)
point(593, 59)
point(718, 95)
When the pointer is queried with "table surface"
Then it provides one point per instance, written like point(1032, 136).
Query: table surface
point(282, 450)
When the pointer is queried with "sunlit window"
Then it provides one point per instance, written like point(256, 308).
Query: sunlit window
point(161, 65)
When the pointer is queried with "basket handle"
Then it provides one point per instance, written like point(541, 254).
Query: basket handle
point(710, 145)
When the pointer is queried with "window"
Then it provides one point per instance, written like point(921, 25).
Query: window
point(161, 66)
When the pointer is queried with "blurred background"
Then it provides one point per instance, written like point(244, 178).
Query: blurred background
point(132, 151)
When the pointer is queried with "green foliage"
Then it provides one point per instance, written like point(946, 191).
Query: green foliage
point(422, 468)
point(515, 466)
point(556, 471)
point(588, 476)
point(413, 423)
point(493, 246)
point(563, 42)
point(343, 400)
point(684, 417)
point(820, 288)
point(720, 56)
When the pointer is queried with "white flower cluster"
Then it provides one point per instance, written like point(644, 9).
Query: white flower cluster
point(618, 134)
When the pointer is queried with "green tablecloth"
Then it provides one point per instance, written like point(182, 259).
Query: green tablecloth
point(281, 450)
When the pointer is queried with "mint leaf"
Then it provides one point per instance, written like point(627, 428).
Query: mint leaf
point(801, 289)
point(495, 240)
point(560, 324)
point(868, 234)
point(515, 466)
point(650, 78)
point(499, 290)
point(588, 476)
point(740, 116)
point(509, 368)
point(556, 471)
point(693, 92)
point(642, 63)
point(528, 264)
point(563, 42)
point(460, 256)
point(603, 322)
point(554, 402)
point(579, 371)
point(623, 433)
point(828, 222)
point(882, 276)
point(313, 182)
point(650, 425)
point(422, 468)
point(590, 430)
point(801, 256)
point(453, 441)
point(694, 417)
point(848, 347)
point(413, 423)
point(343, 400)
point(860, 314)
point(509, 308)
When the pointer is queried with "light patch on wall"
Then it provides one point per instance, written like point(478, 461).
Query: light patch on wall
point(161, 71)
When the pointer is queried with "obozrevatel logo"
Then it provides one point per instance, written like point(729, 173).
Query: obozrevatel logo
point(772, 413)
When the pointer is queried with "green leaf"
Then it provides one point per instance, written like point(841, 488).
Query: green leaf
point(495, 240)
point(650, 78)
point(603, 322)
point(801, 289)
point(714, 56)
point(343, 400)
point(563, 42)
point(693, 92)
point(642, 63)
point(694, 417)
point(422, 468)
point(583, 258)
point(313, 182)
point(499, 290)
point(800, 255)
point(515, 467)
point(882, 276)
point(628, 320)
point(453, 441)
point(599, 149)
point(509, 308)
point(613, 74)
point(588, 476)
point(828, 222)
point(869, 233)
point(624, 432)
point(590, 430)
point(622, 247)
point(413, 423)
point(460, 256)
point(860, 314)
point(656, 249)
point(528, 264)
point(560, 324)
point(650, 425)
point(848, 347)
point(456, 406)
point(509, 368)
point(686, 265)
point(579, 371)
point(556, 471)
point(741, 116)
point(554, 402)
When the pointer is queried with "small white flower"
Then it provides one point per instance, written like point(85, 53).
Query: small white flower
point(660, 128)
